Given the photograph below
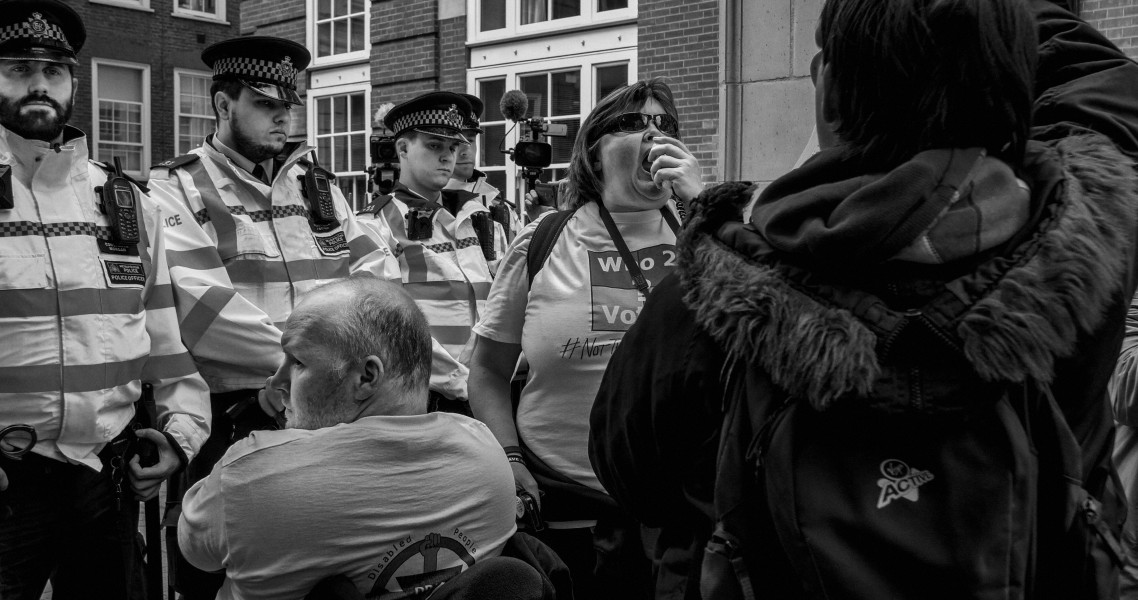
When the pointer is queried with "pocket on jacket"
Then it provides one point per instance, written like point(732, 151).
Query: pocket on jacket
point(23, 272)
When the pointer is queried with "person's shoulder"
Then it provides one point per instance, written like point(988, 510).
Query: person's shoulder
point(259, 442)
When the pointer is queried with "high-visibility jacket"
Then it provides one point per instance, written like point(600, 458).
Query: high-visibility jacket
point(85, 320)
point(242, 253)
point(478, 184)
point(447, 274)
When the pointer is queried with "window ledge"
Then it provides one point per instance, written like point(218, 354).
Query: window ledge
point(199, 17)
point(124, 4)
point(339, 60)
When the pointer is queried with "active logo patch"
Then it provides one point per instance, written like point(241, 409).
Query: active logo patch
point(336, 243)
point(900, 481)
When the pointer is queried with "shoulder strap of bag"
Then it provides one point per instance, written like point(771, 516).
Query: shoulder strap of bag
point(544, 237)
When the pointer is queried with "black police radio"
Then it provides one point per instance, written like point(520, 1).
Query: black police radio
point(118, 202)
point(316, 186)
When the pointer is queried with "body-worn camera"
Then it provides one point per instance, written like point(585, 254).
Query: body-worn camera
point(419, 225)
point(527, 513)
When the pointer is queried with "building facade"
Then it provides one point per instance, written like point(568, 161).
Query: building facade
point(143, 92)
point(739, 69)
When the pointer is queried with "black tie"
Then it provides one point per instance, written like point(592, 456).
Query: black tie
point(259, 173)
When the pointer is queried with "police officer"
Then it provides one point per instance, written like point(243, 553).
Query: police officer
point(470, 179)
point(446, 239)
point(255, 223)
point(85, 317)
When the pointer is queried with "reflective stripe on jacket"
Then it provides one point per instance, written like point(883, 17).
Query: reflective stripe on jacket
point(447, 274)
point(242, 254)
point(85, 320)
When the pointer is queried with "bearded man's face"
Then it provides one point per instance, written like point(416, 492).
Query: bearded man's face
point(36, 98)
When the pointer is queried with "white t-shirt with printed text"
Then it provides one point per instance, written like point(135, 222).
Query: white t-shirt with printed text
point(582, 301)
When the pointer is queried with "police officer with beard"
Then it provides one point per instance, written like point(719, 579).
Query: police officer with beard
point(86, 318)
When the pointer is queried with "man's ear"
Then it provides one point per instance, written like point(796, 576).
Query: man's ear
point(222, 102)
point(402, 145)
point(370, 379)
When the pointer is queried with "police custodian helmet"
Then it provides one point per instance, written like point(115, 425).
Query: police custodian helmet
point(44, 30)
point(267, 65)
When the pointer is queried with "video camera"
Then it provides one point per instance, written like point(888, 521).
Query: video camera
point(531, 153)
point(384, 170)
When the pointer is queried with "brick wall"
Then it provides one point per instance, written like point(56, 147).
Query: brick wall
point(157, 38)
point(1117, 19)
point(404, 49)
point(679, 40)
point(285, 19)
point(452, 54)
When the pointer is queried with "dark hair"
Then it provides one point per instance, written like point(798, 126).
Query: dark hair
point(584, 184)
point(380, 319)
point(232, 88)
point(911, 75)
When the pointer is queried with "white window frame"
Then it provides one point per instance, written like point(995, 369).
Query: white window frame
point(513, 72)
point(144, 160)
point(178, 102)
point(143, 5)
point(589, 16)
point(217, 16)
point(337, 90)
point(335, 59)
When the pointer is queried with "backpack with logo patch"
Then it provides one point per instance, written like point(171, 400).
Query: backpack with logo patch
point(980, 498)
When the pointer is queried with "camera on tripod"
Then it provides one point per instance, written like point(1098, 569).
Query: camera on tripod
point(531, 153)
point(384, 170)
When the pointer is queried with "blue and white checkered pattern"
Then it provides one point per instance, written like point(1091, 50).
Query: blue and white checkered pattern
point(282, 73)
point(34, 29)
point(435, 117)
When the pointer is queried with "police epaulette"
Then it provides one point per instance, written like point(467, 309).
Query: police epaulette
point(462, 196)
point(178, 161)
point(376, 205)
point(109, 170)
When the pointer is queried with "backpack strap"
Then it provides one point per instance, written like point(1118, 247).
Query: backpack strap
point(544, 237)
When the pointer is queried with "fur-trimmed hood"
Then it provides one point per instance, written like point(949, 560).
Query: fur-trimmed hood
point(1018, 313)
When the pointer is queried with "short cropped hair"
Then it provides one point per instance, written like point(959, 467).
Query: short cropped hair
point(911, 75)
point(232, 88)
point(379, 319)
point(584, 183)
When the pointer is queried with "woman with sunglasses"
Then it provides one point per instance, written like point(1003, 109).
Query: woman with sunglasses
point(627, 167)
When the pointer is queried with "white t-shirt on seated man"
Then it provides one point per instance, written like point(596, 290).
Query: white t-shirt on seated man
point(364, 483)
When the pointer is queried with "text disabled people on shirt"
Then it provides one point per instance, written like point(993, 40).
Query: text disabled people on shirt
point(615, 300)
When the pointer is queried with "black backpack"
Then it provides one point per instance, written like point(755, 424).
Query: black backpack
point(875, 501)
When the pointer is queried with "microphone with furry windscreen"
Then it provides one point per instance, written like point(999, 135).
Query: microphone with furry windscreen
point(514, 105)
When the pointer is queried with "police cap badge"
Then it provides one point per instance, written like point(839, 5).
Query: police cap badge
point(267, 65)
point(45, 30)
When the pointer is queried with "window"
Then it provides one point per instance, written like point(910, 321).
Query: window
point(212, 10)
point(503, 19)
point(339, 29)
point(564, 96)
point(121, 102)
point(193, 110)
point(342, 128)
point(609, 78)
point(533, 11)
point(135, 4)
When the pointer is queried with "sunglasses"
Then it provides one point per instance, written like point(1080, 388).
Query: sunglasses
point(633, 122)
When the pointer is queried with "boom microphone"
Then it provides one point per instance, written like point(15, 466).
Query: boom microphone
point(514, 105)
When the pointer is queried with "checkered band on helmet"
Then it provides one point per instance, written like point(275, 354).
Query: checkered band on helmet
point(282, 73)
point(445, 117)
point(37, 29)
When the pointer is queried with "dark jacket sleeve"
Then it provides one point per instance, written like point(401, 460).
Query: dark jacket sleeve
point(1082, 81)
point(655, 423)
